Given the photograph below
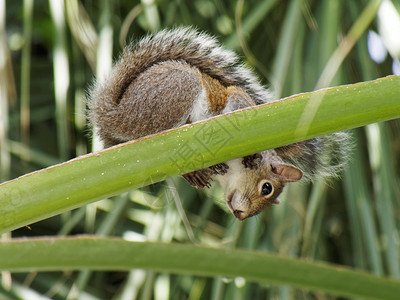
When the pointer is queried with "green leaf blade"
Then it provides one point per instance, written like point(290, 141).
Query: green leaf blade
point(53, 254)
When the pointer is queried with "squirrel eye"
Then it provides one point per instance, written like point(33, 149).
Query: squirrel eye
point(267, 189)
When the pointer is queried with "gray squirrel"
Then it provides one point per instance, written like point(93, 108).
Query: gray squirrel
point(180, 76)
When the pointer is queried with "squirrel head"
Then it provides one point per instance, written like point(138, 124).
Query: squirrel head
point(249, 190)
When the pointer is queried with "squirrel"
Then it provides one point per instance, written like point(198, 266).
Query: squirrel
point(179, 76)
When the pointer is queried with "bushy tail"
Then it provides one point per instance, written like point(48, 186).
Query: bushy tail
point(323, 156)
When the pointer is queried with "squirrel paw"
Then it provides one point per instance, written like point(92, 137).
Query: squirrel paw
point(252, 161)
point(200, 178)
point(219, 169)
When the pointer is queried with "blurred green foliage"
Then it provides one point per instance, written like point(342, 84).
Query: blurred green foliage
point(53, 50)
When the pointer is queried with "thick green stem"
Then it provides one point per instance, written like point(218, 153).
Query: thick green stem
point(56, 254)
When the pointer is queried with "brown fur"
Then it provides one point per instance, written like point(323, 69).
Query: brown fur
point(175, 76)
point(151, 103)
point(217, 94)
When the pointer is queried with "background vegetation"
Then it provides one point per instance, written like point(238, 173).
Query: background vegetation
point(53, 49)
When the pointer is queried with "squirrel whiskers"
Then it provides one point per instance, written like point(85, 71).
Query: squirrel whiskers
point(179, 76)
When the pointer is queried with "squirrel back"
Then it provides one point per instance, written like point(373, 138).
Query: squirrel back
point(196, 49)
point(196, 52)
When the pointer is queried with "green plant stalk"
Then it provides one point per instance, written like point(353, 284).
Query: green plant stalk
point(348, 42)
point(330, 30)
point(316, 202)
point(25, 73)
point(61, 75)
point(361, 216)
point(91, 177)
point(251, 21)
point(54, 254)
point(285, 48)
point(5, 98)
point(384, 179)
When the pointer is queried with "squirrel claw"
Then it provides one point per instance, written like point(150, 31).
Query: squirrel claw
point(219, 169)
point(252, 161)
point(199, 178)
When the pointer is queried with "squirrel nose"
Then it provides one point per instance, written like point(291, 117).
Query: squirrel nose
point(236, 205)
point(239, 214)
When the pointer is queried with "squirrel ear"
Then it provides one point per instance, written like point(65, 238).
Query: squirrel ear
point(288, 172)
